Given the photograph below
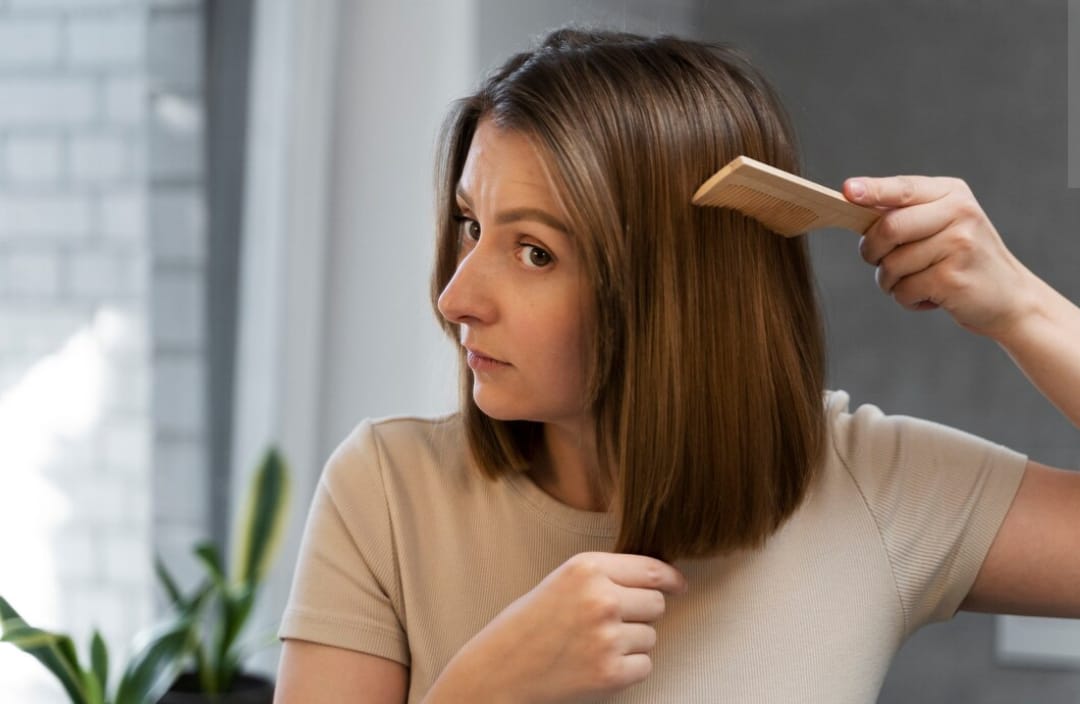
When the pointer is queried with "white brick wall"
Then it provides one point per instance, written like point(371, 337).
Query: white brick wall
point(34, 160)
point(76, 357)
point(29, 43)
point(178, 224)
point(47, 101)
point(105, 274)
point(61, 215)
point(106, 41)
point(175, 209)
point(31, 274)
point(98, 158)
point(179, 396)
point(179, 309)
point(125, 100)
point(123, 214)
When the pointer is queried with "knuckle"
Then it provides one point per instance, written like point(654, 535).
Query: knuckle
point(964, 240)
point(967, 207)
point(602, 605)
point(902, 296)
point(889, 228)
point(951, 279)
point(607, 640)
point(907, 189)
point(609, 673)
point(959, 185)
point(654, 576)
point(582, 565)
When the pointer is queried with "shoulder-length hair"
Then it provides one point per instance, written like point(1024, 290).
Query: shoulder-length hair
point(707, 361)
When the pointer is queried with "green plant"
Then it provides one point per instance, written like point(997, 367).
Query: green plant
point(147, 675)
point(204, 626)
point(218, 609)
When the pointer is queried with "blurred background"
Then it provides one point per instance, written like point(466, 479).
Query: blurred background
point(216, 230)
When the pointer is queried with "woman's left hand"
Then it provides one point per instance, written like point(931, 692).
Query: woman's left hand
point(935, 247)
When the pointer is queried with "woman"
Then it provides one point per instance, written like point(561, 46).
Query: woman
point(645, 495)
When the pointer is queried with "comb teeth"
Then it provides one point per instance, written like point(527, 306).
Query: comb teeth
point(787, 204)
point(780, 215)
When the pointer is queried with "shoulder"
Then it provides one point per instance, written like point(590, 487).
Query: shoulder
point(387, 449)
point(881, 450)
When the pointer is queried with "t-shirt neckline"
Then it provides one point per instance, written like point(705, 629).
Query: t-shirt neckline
point(548, 508)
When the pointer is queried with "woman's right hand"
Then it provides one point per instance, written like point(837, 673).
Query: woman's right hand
point(583, 633)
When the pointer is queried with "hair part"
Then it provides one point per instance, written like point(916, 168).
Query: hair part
point(707, 362)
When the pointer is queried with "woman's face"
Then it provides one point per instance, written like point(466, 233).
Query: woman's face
point(518, 292)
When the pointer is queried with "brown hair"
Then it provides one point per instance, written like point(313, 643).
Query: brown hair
point(707, 359)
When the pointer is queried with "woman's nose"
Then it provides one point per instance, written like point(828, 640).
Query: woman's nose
point(466, 299)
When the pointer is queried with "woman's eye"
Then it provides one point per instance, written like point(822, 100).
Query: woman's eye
point(536, 257)
point(468, 227)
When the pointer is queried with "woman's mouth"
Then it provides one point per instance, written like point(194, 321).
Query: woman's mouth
point(480, 363)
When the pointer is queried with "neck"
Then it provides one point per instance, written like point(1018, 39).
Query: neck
point(569, 469)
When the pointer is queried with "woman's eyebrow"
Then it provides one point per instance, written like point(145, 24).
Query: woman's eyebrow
point(525, 213)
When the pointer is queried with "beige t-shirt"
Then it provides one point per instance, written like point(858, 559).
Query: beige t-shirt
point(409, 552)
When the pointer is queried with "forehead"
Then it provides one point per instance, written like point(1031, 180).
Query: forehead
point(504, 163)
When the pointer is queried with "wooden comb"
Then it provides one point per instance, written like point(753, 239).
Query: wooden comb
point(785, 203)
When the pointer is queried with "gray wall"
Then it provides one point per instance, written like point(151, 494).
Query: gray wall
point(973, 90)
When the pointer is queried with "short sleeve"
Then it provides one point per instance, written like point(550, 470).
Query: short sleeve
point(346, 590)
point(938, 496)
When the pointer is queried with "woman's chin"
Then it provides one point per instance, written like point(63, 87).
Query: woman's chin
point(500, 411)
point(503, 414)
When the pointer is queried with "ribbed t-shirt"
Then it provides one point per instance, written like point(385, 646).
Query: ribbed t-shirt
point(409, 551)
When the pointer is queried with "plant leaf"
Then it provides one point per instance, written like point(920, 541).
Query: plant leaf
point(53, 650)
point(156, 666)
point(238, 603)
point(176, 597)
point(95, 690)
point(198, 599)
point(209, 556)
point(99, 660)
point(207, 673)
point(262, 520)
point(236, 607)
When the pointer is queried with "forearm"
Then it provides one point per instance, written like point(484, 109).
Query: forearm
point(1045, 344)
point(463, 682)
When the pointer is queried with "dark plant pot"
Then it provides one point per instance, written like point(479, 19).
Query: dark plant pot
point(247, 689)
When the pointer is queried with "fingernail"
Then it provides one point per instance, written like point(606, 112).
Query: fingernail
point(857, 190)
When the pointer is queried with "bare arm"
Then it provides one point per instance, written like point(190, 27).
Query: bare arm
point(935, 248)
point(589, 634)
point(1033, 567)
point(310, 673)
point(1045, 343)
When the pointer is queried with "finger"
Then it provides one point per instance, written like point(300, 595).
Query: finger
point(896, 191)
point(921, 291)
point(902, 226)
point(909, 259)
point(642, 571)
point(633, 668)
point(641, 605)
point(637, 638)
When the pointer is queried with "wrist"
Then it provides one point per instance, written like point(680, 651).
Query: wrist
point(1027, 308)
point(465, 681)
point(1035, 305)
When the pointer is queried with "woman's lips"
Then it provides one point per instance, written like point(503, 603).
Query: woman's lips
point(480, 363)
